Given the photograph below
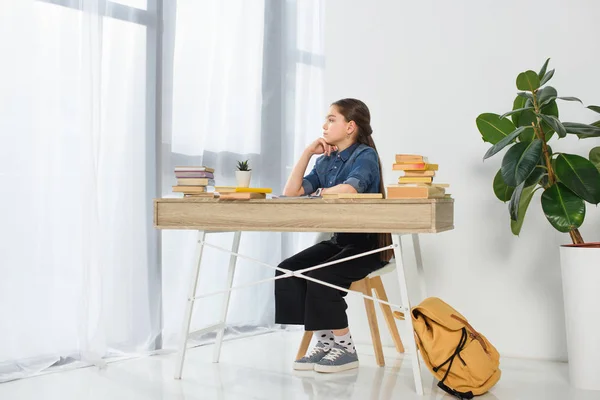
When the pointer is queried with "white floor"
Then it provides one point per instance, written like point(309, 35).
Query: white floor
point(259, 367)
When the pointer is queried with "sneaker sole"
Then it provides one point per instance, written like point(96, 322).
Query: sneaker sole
point(335, 368)
point(304, 366)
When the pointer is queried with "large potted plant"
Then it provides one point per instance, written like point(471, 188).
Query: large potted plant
point(566, 183)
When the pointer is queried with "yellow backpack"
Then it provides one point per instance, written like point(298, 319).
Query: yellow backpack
point(463, 361)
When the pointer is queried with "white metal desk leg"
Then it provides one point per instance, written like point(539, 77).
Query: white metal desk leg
point(419, 259)
point(232, 260)
point(185, 330)
point(408, 318)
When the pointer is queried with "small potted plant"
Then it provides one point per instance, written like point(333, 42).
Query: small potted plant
point(566, 182)
point(243, 174)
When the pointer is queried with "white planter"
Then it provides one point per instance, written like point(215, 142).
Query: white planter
point(581, 290)
point(243, 178)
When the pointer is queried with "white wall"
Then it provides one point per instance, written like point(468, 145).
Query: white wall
point(427, 69)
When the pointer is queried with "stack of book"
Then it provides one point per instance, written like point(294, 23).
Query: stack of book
point(194, 181)
point(417, 179)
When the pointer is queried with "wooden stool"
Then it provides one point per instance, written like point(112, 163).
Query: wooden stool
point(366, 286)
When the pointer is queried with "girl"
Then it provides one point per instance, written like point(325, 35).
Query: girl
point(349, 163)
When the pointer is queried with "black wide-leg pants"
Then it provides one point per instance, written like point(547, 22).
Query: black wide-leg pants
point(318, 307)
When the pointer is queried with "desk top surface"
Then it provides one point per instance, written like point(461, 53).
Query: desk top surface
point(304, 201)
point(306, 215)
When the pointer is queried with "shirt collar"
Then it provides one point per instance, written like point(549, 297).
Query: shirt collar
point(346, 152)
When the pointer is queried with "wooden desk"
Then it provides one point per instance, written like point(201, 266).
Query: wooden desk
point(306, 215)
point(398, 217)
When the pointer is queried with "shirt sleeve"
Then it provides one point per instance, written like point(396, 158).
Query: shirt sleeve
point(364, 172)
point(311, 182)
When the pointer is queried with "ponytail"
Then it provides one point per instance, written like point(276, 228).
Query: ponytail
point(383, 239)
point(357, 111)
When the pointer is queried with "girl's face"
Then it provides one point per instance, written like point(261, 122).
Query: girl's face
point(336, 129)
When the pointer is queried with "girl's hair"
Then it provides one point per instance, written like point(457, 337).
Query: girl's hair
point(357, 111)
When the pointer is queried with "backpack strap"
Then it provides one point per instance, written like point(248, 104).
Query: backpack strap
point(457, 394)
point(461, 345)
point(474, 334)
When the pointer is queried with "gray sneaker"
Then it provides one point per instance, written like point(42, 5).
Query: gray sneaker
point(337, 359)
point(308, 362)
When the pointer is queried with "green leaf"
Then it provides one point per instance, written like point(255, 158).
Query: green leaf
point(540, 171)
point(547, 76)
point(546, 95)
point(518, 110)
point(582, 130)
point(535, 176)
point(525, 95)
point(570, 99)
point(549, 109)
point(523, 204)
point(519, 162)
point(502, 191)
point(543, 70)
point(504, 142)
point(528, 80)
point(594, 108)
point(563, 208)
point(527, 135)
point(519, 103)
point(513, 205)
point(595, 157)
point(555, 124)
point(492, 128)
point(580, 175)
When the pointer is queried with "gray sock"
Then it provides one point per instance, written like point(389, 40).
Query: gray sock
point(325, 337)
point(346, 341)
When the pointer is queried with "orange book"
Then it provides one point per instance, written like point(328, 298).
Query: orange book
point(242, 196)
point(422, 166)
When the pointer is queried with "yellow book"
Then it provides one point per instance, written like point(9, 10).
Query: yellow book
point(253, 190)
point(415, 179)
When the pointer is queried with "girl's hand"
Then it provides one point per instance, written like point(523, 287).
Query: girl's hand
point(320, 146)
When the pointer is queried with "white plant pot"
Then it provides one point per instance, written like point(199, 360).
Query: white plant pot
point(580, 268)
point(243, 178)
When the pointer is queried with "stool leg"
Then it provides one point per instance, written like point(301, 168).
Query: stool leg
point(377, 285)
point(304, 344)
point(372, 317)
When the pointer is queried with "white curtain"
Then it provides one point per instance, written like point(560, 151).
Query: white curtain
point(79, 278)
point(246, 84)
point(75, 263)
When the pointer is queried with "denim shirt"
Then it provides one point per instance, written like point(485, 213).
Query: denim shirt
point(357, 166)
